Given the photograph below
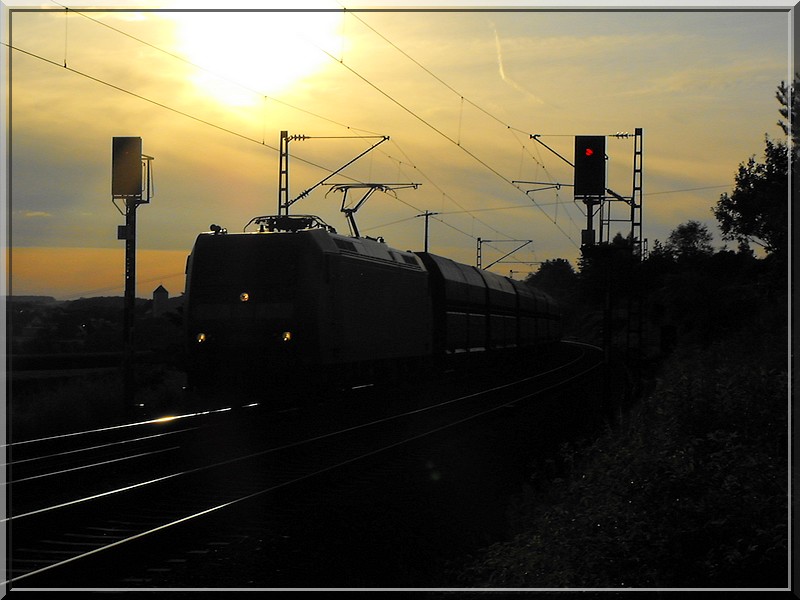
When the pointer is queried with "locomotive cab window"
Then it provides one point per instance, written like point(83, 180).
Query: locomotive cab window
point(256, 271)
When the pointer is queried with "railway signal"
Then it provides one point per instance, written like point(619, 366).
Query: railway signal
point(590, 165)
point(128, 169)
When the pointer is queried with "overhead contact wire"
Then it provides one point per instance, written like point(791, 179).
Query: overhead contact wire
point(260, 94)
point(194, 65)
point(262, 142)
point(470, 102)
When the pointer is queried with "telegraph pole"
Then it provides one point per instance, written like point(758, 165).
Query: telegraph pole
point(427, 214)
point(128, 163)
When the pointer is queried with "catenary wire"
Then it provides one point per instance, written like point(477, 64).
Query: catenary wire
point(202, 121)
point(260, 94)
point(182, 59)
point(385, 39)
point(221, 76)
point(435, 129)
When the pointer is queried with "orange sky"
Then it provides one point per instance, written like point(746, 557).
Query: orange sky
point(74, 272)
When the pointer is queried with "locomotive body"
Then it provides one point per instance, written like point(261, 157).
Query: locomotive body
point(307, 306)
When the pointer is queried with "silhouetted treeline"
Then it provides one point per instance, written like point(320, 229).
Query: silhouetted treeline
point(691, 296)
point(47, 326)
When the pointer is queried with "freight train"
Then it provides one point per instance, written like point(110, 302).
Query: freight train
point(294, 305)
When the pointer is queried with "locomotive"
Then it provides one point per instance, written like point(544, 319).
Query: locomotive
point(294, 305)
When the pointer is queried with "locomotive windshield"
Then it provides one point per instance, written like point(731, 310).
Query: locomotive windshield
point(225, 263)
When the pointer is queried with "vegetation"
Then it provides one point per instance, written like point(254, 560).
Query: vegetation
point(44, 326)
point(690, 488)
point(51, 333)
point(41, 407)
point(757, 210)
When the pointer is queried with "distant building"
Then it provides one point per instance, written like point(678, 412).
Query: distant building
point(160, 301)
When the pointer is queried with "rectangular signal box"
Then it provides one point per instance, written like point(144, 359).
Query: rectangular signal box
point(126, 167)
point(590, 165)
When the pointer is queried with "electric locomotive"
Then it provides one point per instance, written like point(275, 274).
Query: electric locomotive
point(294, 305)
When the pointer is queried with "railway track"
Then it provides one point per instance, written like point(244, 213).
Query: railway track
point(113, 506)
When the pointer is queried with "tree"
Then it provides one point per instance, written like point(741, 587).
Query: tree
point(757, 210)
point(659, 253)
point(785, 96)
point(689, 240)
point(556, 277)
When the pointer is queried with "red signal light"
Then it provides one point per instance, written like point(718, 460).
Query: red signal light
point(589, 152)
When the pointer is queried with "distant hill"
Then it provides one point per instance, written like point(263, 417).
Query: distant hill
point(115, 303)
point(106, 302)
point(31, 299)
point(98, 302)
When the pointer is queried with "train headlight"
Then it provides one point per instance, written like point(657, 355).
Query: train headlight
point(200, 338)
point(244, 296)
point(286, 336)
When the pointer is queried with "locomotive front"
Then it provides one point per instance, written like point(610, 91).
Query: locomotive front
point(244, 308)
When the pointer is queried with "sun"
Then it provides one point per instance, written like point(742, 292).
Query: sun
point(244, 56)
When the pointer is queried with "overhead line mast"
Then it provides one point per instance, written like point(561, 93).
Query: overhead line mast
point(283, 176)
point(634, 202)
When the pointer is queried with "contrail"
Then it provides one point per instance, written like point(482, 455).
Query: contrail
point(502, 72)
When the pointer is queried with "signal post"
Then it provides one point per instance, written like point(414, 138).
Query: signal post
point(128, 169)
point(590, 179)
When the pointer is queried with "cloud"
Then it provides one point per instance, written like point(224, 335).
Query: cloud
point(708, 78)
point(36, 214)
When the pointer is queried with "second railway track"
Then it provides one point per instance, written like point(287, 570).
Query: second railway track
point(123, 497)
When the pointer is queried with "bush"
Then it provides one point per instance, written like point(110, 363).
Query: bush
point(689, 491)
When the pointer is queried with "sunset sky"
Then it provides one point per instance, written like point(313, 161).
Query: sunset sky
point(458, 93)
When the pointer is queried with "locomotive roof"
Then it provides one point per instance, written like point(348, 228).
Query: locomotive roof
point(373, 248)
point(367, 248)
